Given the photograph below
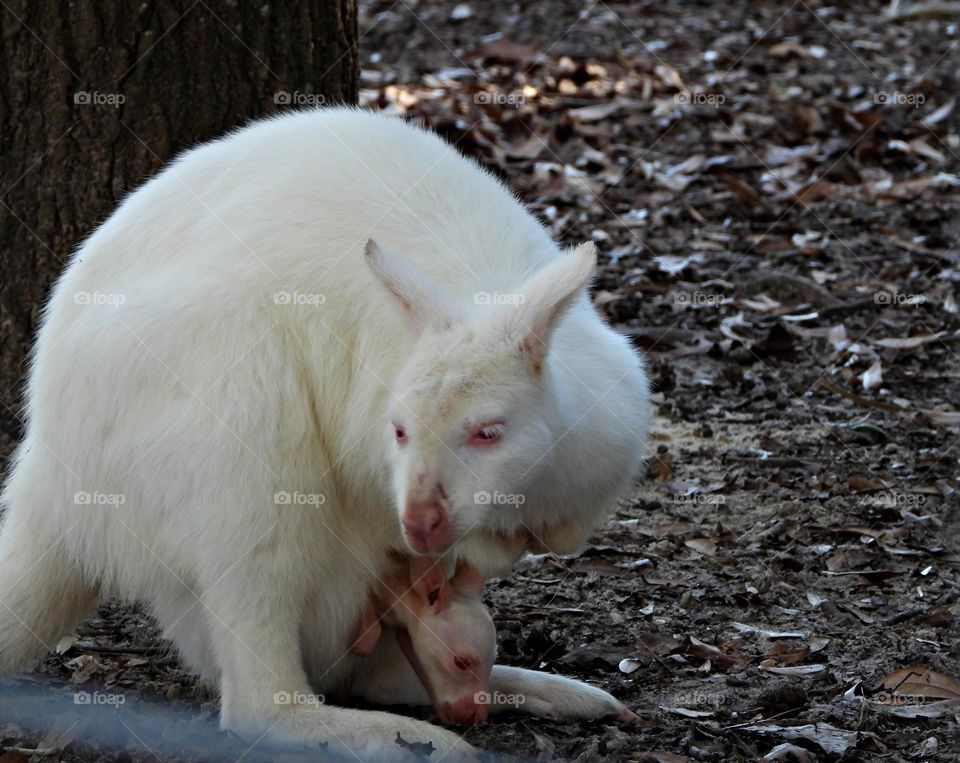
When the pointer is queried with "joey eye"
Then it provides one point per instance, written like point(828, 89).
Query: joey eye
point(400, 433)
point(433, 596)
point(462, 663)
point(486, 434)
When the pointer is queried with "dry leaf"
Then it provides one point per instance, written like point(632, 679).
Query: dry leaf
point(866, 484)
point(770, 666)
point(766, 633)
point(918, 681)
point(873, 376)
point(788, 753)
point(910, 342)
point(703, 546)
point(829, 738)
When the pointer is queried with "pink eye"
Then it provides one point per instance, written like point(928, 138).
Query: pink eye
point(400, 432)
point(486, 434)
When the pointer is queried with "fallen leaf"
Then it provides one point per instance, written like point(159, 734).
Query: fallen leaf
point(910, 342)
point(770, 634)
point(545, 746)
point(873, 376)
point(788, 753)
point(866, 484)
point(926, 710)
point(744, 192)
point(630, 665)
point(828, 738)
point(918, 681)
point(596, 112)
point(791, 670)
point(417, 748)
point(703, 546)
point(64, 644)
point(687, 713)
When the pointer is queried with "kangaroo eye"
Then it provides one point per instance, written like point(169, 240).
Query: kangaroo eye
point(400, 433)
point(486, 434)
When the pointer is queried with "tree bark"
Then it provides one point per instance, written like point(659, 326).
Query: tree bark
point(95, 97)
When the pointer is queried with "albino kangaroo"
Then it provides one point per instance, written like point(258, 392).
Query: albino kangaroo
point(443, 630)
point(449, 640)
point(240, 405)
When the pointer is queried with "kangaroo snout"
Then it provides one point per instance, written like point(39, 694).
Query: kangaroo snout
point(464, 711)
point(427, 527)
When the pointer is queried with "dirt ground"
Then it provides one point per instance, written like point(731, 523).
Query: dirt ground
point(774, 189)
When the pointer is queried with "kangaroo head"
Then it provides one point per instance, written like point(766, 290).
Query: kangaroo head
point(473, 412)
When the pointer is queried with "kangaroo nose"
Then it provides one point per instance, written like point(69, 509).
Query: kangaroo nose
point(427, 527)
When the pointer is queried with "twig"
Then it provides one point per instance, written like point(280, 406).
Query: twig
point(923, 10)
point(903, 616)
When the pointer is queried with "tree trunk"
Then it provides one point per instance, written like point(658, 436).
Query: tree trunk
point(95, 97)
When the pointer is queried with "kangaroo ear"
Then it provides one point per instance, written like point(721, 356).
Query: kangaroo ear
point(468, 578)
point(430, 584)
point(546, 296)
point(425, 301)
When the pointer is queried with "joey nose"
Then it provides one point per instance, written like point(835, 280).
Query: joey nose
point(427, 527)
point(464, 711)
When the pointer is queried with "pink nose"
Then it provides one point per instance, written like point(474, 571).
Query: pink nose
point(463, 711)
point(427, 527)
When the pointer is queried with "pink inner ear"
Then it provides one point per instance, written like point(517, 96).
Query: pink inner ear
point(367, 633)
point(468, 578)
point(430, 584)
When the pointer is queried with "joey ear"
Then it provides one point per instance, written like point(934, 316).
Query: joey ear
point(425, 301)
point(547, 295)
point(468, 578)
point(430, 584)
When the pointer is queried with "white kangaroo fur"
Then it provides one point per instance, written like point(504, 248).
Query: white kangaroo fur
point(230, 418)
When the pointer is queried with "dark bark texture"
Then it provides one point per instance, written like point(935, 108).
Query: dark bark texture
point(95, 97)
